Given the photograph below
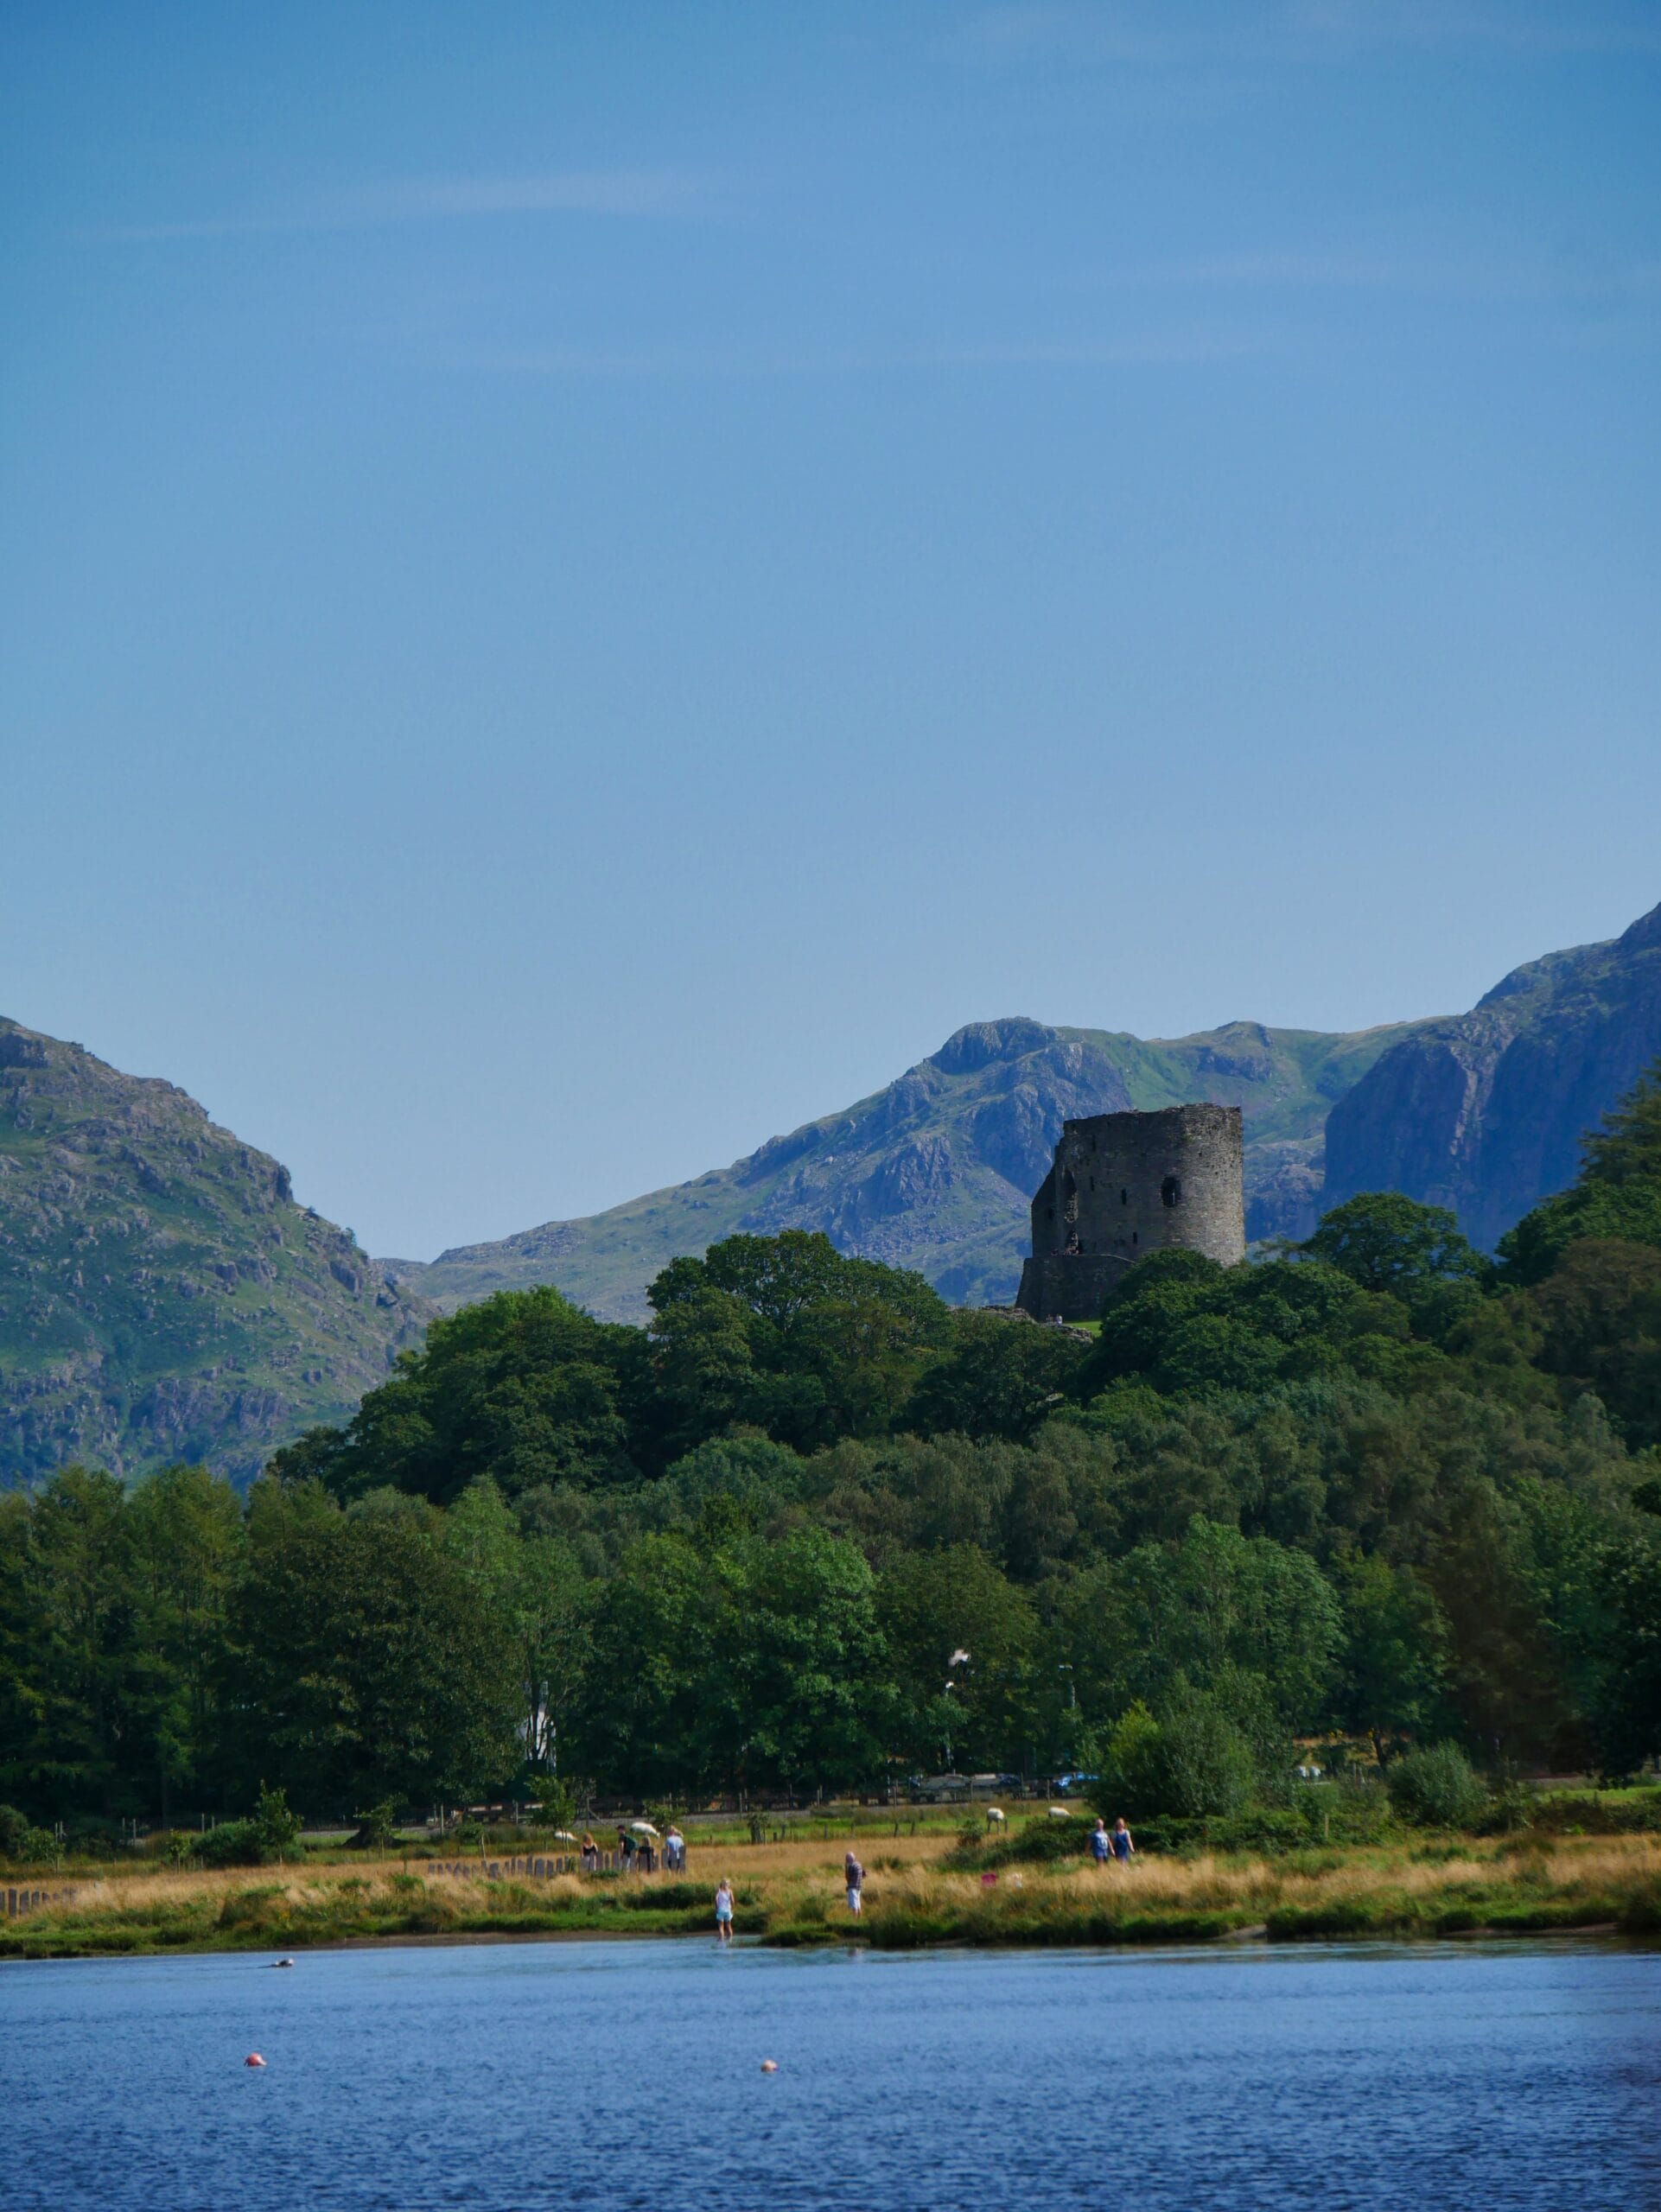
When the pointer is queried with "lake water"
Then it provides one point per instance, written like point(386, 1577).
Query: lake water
point(504, 2077)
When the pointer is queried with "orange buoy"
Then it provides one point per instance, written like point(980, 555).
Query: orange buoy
point(253, 2059)
point(769, 2066)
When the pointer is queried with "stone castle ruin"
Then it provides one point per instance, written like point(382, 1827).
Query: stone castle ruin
point(1123, 1185)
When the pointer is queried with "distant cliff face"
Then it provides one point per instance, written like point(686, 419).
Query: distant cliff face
point(1485, 1112)
point(161, 1296)
point(937, 1171)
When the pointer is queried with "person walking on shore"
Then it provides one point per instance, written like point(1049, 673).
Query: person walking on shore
point(1123, 1847)
point(854, 1874)
point(1101, 1850)
point(674, 1850)
point(724, 1911)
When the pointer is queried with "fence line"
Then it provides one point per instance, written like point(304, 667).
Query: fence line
point(19, 1902)
point(532, 1869)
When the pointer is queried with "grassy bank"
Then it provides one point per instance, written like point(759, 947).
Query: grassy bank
point(791, 1894)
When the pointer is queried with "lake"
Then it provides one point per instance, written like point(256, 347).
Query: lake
point(503, 2077)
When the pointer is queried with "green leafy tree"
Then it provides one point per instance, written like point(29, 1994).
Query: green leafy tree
point(637, 1727)
point(837, 1345)
point(794, 1695)
point(523, 1387)
point(1183, 1325)
point(951, 1616)
point(1393, 1684)
point(1600, 1311)
point(360, 1664)
point(1617, 1194)
point(184, 1533)
point(1392, 1244)
point(1627, 1714)
point(533, 1595)
point(1001, 1377)
point(1213, 1608)
point(84, 1703)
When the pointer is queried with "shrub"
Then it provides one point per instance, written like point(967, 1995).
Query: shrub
point(1435, 1787)
point(278, 1828)
point(376, 1828)
point(1510, 1811)
point(1191, 1764)
point(233, 1843)
point(14, 1827)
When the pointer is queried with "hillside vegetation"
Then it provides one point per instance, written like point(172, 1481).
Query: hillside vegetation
point(811, 1530)
point(161, 1296)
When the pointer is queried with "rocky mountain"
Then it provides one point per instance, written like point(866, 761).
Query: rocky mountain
point(1484, 1113)
point(937, 1171)
point(162, 1296)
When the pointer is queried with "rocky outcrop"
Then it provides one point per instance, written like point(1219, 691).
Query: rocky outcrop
point(937, 1171)
point(162, 1296)
point(1485, 1112)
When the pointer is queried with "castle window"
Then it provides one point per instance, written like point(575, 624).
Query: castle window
point(1170, 1190)
point(1124, 1198)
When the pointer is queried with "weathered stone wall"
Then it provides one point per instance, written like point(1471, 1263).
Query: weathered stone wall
point(1125, 1184)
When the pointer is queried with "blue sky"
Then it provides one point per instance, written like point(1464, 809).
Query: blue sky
point(583, 583)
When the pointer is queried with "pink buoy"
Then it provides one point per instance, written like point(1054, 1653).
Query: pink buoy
point(769, 2066)
point(253, 2059)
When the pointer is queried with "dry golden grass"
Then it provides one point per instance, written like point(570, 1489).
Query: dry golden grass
point(794, 1890)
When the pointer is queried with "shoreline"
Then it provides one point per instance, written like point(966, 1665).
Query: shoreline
point(921, 1897)
point(1596, 1936)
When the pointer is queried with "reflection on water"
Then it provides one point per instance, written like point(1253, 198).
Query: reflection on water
point(513, 2076)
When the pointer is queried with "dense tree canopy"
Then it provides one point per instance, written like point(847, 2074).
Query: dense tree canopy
point(809, 1529)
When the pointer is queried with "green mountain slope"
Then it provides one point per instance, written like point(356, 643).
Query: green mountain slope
point(161, 1296)
point(937, 1171)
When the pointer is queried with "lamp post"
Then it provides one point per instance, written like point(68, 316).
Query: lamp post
point(957, 1658)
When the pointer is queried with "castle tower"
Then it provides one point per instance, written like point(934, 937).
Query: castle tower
point(1125, 1184)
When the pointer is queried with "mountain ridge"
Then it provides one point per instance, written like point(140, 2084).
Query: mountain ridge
point(936, 1171)
point(163, 1294)
point(1485, 1111)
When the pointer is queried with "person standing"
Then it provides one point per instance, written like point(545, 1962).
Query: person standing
point(1100, 1849)
point(723, 1911)
point(854, 1873)
point(674, 1851)
point(1123, 1847)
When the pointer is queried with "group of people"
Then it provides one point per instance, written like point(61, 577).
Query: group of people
point(1115, 1845)
point(638, 1854)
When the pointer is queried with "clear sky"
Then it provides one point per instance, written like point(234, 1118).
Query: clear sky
point(584, 582)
